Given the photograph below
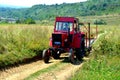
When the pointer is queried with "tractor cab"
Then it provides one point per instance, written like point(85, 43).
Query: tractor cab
point(64, 30)
point(66, 24)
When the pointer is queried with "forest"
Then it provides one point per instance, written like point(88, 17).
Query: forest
point(48, 12)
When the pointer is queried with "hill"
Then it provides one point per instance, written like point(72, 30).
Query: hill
point(48, 12)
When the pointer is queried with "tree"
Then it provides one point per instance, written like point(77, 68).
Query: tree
point(29, 21)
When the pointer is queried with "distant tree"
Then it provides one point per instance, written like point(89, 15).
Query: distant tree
point(29, 21)
point(18, 21)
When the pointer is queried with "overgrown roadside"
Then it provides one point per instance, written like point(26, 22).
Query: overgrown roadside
point(105, 59)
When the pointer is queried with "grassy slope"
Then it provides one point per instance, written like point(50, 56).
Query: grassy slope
point(40, 12)
point(19, 42)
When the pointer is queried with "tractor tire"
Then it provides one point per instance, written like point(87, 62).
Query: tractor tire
point(83, 52)
point(46, 57)
point(78, 54)
point(56, 55)
point(71, 56)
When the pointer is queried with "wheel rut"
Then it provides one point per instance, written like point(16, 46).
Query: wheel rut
point(22, 71)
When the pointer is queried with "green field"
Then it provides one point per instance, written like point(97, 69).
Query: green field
point(19, 42)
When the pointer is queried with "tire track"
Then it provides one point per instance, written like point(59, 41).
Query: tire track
point(21, 72)
point(63, 73)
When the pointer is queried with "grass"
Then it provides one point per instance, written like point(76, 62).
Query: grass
point(99, 69)
point(105, 59)
point(109, 19)
point(19, 42)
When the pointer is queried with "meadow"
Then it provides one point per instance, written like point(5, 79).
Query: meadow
point(19, 42)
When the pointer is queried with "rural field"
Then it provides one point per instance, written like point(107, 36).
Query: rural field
point(21, 47)
point(19, 42)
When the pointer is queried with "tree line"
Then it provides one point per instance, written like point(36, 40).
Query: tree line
point(48, 12)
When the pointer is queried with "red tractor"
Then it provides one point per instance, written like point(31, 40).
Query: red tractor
point(67, 37)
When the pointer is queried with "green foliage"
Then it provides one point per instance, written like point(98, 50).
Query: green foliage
point(109, 43)
point(3, 22)
point(48, 12)
point(26, 21)
point(99, 69)
point(29, 21)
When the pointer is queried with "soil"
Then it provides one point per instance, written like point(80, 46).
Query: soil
point(63, 74)
point(23, 71)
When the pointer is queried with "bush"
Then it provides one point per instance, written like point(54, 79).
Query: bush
point(26, 21)
point(29, 21)
point(100, 22)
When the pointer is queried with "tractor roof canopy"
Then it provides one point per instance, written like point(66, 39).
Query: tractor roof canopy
point(66, 19)
point(64, 24)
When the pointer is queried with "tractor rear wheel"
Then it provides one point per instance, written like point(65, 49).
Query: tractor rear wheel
point(46, 56)
point(78, 54)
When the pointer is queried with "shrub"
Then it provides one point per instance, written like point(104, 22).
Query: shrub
point(29, 21)
point(100, 22)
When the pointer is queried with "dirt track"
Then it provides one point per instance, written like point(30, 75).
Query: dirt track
point(21, 72)
point(64, 73)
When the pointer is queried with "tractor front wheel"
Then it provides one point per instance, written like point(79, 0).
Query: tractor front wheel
point(56, 55)
point(46, 56)
point(71, 56)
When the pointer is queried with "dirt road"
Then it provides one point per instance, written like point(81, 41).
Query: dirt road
point(21, 72)
point(64, 73)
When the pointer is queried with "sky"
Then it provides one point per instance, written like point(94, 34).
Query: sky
point(29, 3)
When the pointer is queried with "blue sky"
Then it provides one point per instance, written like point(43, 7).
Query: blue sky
point(29, 3)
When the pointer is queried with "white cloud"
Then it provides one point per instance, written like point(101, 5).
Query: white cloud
point(29, 3)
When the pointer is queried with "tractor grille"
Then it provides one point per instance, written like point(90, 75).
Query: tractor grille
point(57, 39)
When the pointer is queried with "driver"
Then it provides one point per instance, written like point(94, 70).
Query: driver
point(65, 27)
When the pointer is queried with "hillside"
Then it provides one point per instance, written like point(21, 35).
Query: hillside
point(43, 12)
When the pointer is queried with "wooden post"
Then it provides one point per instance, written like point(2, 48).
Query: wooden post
point(89, 33)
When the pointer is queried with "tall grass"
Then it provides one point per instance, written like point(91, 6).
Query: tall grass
point(105, 59)
point(18, 42)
